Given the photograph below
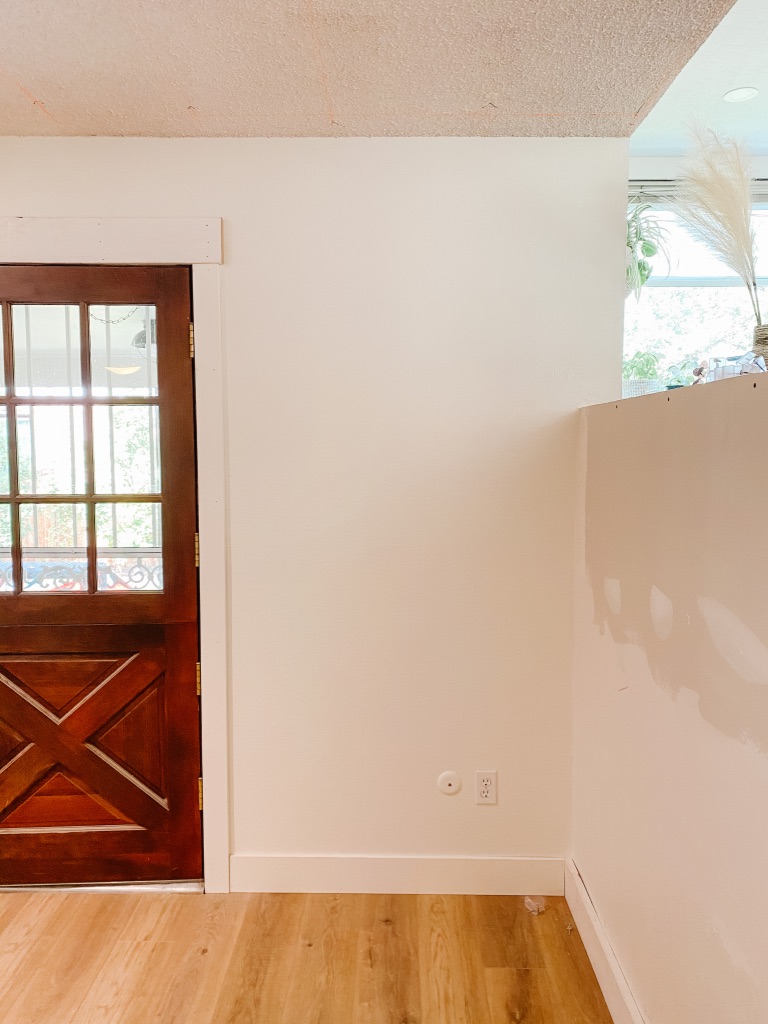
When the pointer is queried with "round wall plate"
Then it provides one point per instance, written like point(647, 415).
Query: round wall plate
point(449, 783)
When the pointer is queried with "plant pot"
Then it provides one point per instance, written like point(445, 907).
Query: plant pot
point(760, 344)
point(636, 386)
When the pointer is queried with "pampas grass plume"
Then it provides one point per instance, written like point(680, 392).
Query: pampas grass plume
point(714, 198)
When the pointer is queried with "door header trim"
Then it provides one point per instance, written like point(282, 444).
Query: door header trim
point(123, 240)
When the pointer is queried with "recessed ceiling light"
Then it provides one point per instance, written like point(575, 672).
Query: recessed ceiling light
point(740, 95)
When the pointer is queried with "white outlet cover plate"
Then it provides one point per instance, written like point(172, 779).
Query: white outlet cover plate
point(449, 783)
point(486, 787)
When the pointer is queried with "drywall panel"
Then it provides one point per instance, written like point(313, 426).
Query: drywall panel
point(409, 326)
point(671, 698)
point(99, 240)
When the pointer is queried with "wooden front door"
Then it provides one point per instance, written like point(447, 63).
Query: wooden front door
point(99, 721)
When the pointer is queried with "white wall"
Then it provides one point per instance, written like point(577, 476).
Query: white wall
point(664, 168)
point(671, 698)
point(410, 325)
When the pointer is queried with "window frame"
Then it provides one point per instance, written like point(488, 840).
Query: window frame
point(660, 194)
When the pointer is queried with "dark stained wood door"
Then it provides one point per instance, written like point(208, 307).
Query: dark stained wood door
point(99, 718)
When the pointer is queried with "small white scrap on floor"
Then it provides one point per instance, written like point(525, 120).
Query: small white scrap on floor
point(535, 905)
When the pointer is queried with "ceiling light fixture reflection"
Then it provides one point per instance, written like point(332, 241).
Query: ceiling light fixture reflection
point(740, 95)
point(123, 370)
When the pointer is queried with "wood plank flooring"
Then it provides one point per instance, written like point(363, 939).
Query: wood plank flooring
point(73, 958)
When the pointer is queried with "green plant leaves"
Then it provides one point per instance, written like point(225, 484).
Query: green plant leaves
point(642, 366)
point(645, 239)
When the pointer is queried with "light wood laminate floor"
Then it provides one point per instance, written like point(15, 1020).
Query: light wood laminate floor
point(291, 959)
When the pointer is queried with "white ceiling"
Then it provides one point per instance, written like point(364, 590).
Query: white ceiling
point(735, 55)
point(341, 67)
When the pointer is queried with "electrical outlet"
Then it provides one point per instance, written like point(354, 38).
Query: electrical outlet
point(485, 787)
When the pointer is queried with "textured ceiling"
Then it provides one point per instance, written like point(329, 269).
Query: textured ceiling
point(732, 57)
point(341, 67)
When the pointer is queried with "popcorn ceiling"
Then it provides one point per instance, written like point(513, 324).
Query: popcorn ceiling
point(332, 68)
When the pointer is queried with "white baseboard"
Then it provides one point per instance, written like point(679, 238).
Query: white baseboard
point(618, 997)
point(491, 876)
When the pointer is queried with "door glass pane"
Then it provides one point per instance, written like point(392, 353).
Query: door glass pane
point(6, 565)
point(129, 542)
point(123, 350)
point(2, 357)
point(51, 450)
point(54, 548)
point(5, 485)
point(46, 350)
point(126, 449)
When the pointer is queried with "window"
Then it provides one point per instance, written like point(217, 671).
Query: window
point(692, 307)
point(80, 449)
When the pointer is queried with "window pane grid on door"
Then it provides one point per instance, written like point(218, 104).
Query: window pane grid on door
point(56, 545)
point(6, 554)
point(54, 548)
point(126, 449)
point(129, 546)
point(5, 475)
point(46, 350)
point(123, 350)
point(51, 449)
point(2, 355)
point(103, 445)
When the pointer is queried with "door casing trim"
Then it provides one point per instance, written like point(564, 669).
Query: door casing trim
point(196, 242)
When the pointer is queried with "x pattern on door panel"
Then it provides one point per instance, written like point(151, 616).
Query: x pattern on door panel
point(69, 756)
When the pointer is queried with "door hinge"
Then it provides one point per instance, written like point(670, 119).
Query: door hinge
point(200, 794)
point(197, 672)
point(197, 550)
point(191, 341)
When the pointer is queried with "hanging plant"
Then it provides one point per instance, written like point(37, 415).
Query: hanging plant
point(645, 239)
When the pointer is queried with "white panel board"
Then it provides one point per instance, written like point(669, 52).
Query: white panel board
point(482, 876)
point(131, 240)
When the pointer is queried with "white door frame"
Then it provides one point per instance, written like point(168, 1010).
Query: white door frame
point(195, 242)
